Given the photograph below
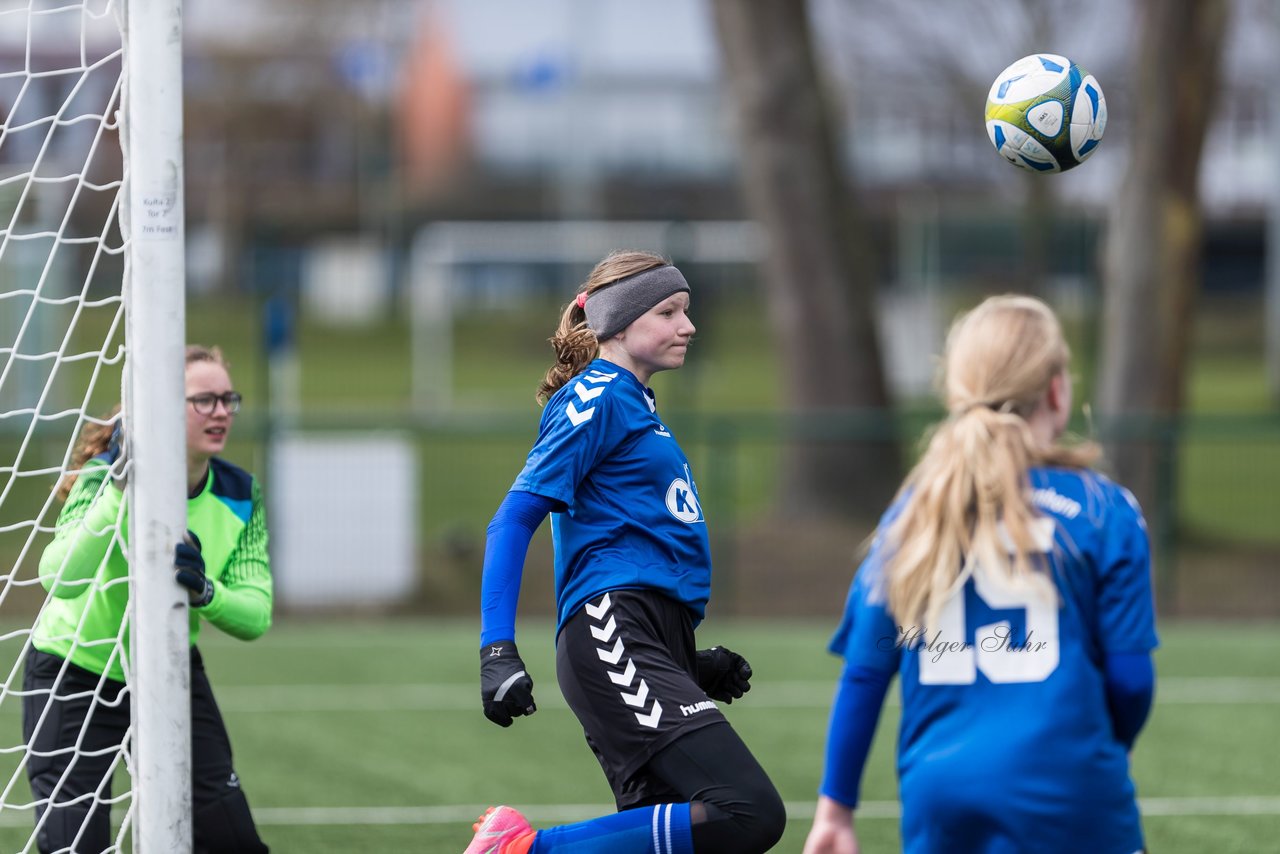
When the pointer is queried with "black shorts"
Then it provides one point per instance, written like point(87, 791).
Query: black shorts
point(626, 664)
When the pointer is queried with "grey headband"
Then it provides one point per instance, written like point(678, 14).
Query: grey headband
point(612, 308)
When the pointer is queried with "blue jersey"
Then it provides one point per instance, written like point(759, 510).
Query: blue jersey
point(631, 517)
point(1005, 741)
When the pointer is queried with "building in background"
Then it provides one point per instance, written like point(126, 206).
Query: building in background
point(313, 118)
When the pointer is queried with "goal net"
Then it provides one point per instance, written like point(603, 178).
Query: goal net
point(78, 351)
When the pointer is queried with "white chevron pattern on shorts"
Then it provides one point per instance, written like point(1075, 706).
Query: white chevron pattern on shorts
point(611, 656)
point(636, 693)
point(605, 634)
point(595, 612)
point(626, 677)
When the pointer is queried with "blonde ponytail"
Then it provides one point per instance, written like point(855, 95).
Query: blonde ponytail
point(968, 499)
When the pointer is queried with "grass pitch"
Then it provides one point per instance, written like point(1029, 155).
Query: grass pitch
point(368, 736)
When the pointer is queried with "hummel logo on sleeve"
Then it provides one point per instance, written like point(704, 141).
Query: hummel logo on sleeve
point(586, 394)
point(578, 417)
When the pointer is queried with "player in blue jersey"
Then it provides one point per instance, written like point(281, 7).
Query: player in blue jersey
point(633, 574)
point(1009, 587)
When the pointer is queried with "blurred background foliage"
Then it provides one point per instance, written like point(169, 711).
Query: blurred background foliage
point(337, 153)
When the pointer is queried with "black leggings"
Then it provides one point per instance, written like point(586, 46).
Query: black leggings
point(221, 818)
point(711, 766)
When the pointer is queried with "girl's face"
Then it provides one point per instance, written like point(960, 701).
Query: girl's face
point(207, 384)
point(656, 340)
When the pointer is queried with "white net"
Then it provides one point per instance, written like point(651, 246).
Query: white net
point(61, 359)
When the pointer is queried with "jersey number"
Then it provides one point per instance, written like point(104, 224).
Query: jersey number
point(989, 648)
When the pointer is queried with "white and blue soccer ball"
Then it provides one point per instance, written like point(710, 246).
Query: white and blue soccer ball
point(1045, 113)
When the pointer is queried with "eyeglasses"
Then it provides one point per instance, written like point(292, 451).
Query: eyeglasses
point(205, 404)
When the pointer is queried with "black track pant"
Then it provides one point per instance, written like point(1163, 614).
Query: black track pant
point(223, 823)
point(711, 766)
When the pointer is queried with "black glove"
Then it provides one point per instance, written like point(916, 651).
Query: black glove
point(505, 686)
point(118, 456)
point(723, 674)
point(188, 570)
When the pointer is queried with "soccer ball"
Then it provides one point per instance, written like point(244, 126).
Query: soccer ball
point(1045, 113)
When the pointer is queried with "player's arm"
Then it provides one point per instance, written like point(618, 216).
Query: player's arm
point(85, 530)
point(832, 831)
point(506, 546)
point(242, 596)
point(1130, 680)
point(854, 715)
point(1126, 618)
point(506, 688)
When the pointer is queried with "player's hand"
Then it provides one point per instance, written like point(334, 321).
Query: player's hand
point(118, 457)
point(831, 839)
point(832, 831)
point(188, 570)
point(723, 674)
point(505, 686)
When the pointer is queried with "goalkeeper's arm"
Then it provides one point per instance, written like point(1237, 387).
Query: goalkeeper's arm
point(242, 593)
point(86, 528)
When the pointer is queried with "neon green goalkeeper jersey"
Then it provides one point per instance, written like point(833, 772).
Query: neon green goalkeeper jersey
point(86, 571)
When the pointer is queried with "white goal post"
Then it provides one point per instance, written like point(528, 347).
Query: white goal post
point(92, 311)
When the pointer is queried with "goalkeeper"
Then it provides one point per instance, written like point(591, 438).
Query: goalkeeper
point(75, 709)
point(633, 574)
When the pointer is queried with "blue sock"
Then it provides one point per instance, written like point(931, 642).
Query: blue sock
point(663, 829)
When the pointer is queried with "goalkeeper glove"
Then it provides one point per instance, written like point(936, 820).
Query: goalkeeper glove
point(118, 456)
point(188, 570)
point(505, 686)
point(723, 674)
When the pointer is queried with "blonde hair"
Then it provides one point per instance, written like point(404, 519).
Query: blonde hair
point(968, 499)
point(95, 438)
point(575, 344)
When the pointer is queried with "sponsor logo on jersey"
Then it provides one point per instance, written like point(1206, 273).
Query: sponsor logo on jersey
point(682, 501)
point(1056, 502)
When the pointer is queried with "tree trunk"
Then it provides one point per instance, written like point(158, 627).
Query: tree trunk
point(1151, 254)
point(818, 277)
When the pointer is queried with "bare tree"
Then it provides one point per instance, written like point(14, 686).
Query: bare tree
point(1151, 253)
point(819, 279)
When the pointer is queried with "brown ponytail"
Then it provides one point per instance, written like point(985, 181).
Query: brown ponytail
point(94, 439)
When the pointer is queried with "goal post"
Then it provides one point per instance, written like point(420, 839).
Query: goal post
point(155, 335)
point(92, 312)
